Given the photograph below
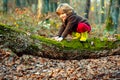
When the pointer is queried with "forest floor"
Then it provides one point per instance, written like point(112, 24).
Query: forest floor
point(28, 67)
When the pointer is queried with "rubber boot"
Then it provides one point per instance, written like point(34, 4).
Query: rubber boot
point(76, 35)
point(84, 36)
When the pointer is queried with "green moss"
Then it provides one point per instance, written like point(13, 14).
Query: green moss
point(14, 39)
point(92, 44)
point(46, 40)
point(6, 28)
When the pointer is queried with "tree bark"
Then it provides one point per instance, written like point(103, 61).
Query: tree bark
point(109, 20)
point(96, 12)
point(113, 15)
point(46, 6)
point(39, 9)
point(5, 6)
point(52, 5)
point(87, 8)
point(102, 11)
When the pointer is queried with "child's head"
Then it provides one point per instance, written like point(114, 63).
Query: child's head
point(64, 8)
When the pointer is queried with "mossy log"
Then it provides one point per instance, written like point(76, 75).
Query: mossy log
point(22, 43)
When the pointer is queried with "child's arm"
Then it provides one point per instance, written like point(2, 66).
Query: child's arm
point(72, 21)
point(62, 28)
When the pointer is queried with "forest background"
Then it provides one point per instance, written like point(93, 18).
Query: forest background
point(39, 17)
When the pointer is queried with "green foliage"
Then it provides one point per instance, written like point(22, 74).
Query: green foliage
point(24, 20)
point(44, 24)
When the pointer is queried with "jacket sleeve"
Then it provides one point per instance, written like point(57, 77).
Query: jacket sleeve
point(62, 28)
point(71, 22)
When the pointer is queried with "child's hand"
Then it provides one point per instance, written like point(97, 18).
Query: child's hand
point(55, 38)
point(59, 39)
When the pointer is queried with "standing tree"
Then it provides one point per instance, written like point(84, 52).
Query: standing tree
point(49, 5)
point(39, 9)
point(96, 12)
point(18, 3)
point(87, 8)
point(113, 14)
point(45, 6)
point(52, 5)
point(102, 11)
point(64, 1)
point(5, 7)
point(21, 3)
point(33, 5)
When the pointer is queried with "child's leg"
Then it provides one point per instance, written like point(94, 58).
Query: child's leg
point(83, 29)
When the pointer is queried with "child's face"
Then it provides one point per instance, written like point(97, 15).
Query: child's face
point(63, 16)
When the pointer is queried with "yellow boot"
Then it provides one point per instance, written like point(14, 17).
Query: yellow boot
point(84, 36)
point(76, 35)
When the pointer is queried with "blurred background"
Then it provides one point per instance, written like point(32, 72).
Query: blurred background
point(39, 17)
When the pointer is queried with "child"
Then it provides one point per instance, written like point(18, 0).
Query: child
point(71, 23)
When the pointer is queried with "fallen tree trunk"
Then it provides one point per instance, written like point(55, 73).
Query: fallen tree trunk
point(21, 43)
point(75, 49)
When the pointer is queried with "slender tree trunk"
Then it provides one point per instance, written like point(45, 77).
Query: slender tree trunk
point(18, 4)
point(96, 12)
point(46, 6)
point(5, 6)
point(52, 5)
point(115, 13)
point(40, 6)
point(109, 20)
point(34, 6)
point(87, 8)
point(23, 3)
point(102, 11)
point(65, 1)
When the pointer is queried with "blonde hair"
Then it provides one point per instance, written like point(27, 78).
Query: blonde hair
point(64, 8)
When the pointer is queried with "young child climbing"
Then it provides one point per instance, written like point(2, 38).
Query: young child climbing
point(71, 23)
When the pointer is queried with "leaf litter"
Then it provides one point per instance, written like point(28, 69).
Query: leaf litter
point(30, 67)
